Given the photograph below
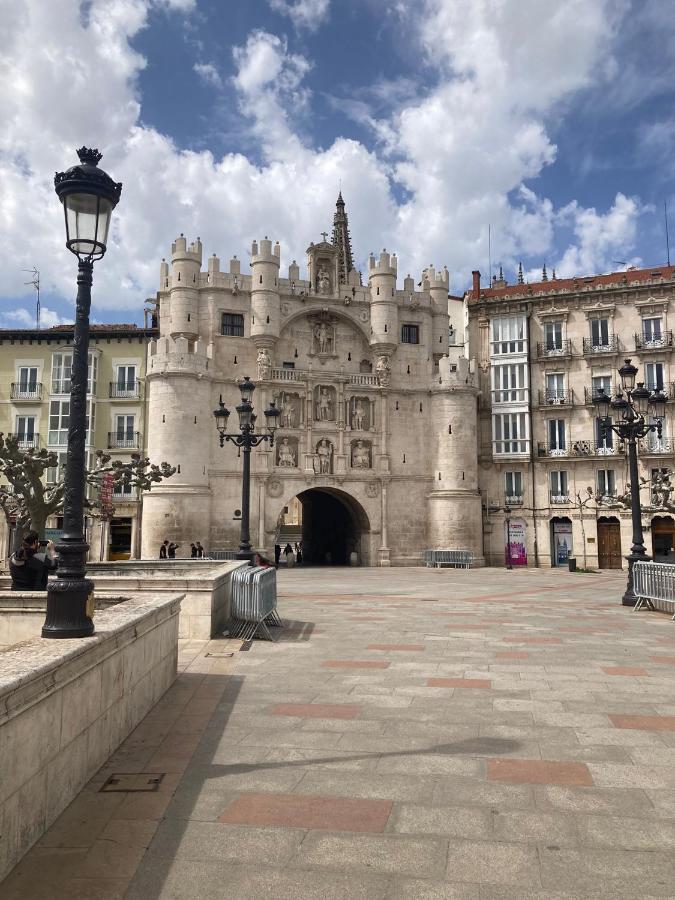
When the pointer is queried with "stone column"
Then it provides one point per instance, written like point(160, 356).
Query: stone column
point(384, 548)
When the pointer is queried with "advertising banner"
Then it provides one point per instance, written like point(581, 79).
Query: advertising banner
point(515, 542)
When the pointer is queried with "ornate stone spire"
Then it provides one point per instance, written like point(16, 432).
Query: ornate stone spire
point(342, 240)
point(544, 275)
point(521, 280)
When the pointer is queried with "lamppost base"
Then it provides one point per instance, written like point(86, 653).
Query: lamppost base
point(629, 598)
point(67, 609)
point(245, 555)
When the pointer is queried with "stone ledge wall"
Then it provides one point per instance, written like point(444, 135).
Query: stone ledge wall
point(66, 705)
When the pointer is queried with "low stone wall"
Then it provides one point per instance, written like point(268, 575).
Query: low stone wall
point(204, 583)
point(66, 705)
point(22, 614)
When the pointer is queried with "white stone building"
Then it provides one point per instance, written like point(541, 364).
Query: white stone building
point(378, 403)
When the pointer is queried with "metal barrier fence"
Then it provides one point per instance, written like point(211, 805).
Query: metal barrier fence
point(253, 602)
point(654, 585)
point(460, 559)
point(223, 554)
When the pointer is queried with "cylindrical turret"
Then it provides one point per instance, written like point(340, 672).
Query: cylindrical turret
point(455, 517)
point(383, 307)
point(439, 283)
point(186, 263)
point(265, 302)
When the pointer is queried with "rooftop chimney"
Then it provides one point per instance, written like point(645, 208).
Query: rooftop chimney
point(476, 283)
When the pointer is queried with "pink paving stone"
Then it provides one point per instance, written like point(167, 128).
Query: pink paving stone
point(667, 640)
point(458, 626)
point(532, 640)
point(459, 682)
point(539, 771)
point(623, 670)
point(410, 647)
point(316, 710)
point(644, 723)
point(299, 811)
point(667, 660)
point(354, 664)
point(512, 654)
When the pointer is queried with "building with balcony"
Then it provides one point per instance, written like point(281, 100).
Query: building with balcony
point(543, 352)
point(35, 407)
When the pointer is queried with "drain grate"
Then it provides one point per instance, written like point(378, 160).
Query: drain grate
point(220, 655)
point(133, 782)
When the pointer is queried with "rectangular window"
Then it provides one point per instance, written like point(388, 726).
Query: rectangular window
point(513, 487)
point(52, 476)
point(288, 365)
point(509, 383)
point(654, 376)
point(126, 381)
point(600, 332)
point(122, 491)
point(410, 334)
point(510, 434)
point(604, 437)
point(232, 325)
point(652, 331)
point(28, 379)
point(59, 418)
point(655, 443)
point(559, 485)
point(61, 372)
point(125, 427)
point(555, 388)
point(556, 437)
point(508, 335)
point(92, 373)
point(553, 336)
point(606, 483)
point(25, 430)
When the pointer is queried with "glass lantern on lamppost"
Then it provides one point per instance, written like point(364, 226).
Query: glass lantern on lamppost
point(245, 441)
point(88, 195)
point(627, 415)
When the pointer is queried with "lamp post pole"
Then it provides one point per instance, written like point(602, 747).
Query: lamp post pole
point(245, 441)
point(631, 406)
point(88, 196)
point(507, 511)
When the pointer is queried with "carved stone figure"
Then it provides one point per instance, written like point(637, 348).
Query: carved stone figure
point(358, 416)
point(323, 281)
point(323, 335)
point(383, 370)
point(323, 459)
point(264, 364)
point(286, 455)
point(360, 456)
point(324, 406)
point(287, 413)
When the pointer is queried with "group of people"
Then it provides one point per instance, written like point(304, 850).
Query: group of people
point(291, 555)
point(168, 550)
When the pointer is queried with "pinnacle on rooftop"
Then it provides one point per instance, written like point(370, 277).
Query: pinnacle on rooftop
point(342, 240)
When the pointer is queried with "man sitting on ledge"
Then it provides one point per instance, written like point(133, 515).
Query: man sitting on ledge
point(29, 566)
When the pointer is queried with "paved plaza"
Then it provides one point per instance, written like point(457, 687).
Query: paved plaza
point(413, 734)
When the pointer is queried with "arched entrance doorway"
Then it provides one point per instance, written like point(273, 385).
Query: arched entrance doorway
point(609, 543)
point(333, 526)
point(663, 538)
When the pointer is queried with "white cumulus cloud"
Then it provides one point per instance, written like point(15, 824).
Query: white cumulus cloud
point(209, 73)
point(305, 14)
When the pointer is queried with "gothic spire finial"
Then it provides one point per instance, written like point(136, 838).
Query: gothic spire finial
point(342, 241)
point(521, 279)
point(544, 274)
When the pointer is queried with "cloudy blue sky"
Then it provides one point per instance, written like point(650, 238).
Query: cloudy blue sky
point(551, 121)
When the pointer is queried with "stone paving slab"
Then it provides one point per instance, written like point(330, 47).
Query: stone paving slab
point(414, 735)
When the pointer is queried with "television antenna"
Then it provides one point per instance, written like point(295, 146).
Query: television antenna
point(35, 281)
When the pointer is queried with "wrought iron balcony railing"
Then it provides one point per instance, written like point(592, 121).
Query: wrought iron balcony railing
point(593, 347)
point(31, 390)
point(554, 349)
point(119, 440)
point(590, 393)
point(27, 441)
point(654, 342)
point(128, 390)
point(557, 499)
point(513, 500)
point(556, 398)
point(657, 446)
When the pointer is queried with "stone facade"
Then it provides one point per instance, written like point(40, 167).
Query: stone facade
point(377, 396)
point(543, 350)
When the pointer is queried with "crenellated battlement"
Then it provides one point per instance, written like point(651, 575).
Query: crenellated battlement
point(263, 251)
point(455, 373)
point(387, 264)
point(178, 355)
point(437, 279)
point(181, 251)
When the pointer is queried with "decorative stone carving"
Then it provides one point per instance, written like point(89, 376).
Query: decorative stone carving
point(275, 488)
point(383, 371)
point(363, 315)
point(372, 490)
point(359, 414)
point(361, 455)
point(287, 453)
point(324, 338)
point(324, 403)
point(323, 281)
point(323, 457)
point(264, 364)
point(289, 406)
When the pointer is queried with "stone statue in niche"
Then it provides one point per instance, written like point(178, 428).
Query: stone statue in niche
point(324, 338)
point(286, 455)
point(323, 457)
point(360, 455)
point(287, 412)
point(359, 414)
point(264, 364)
point(325, 404)
point(323, 281)
point(383, 371)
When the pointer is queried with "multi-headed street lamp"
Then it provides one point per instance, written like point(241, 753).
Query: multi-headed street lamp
point(246, 440)
point(89, 196)
point(630, 408)
point(507, 514)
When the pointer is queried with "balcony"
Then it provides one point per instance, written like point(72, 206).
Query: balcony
point(558, 499)
point(513, 500)
point(128, 390)
point(653, 446)
point(124, 440)
point(559, 350)
point(27, 441)
point(663, 341)
point(29, 392)
point(556, 398)
point(597, 348)
point(578, 449)
point(590, 393)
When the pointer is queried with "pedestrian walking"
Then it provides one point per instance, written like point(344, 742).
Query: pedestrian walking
point(298, 554)
point(163, 550)
point(277, 555)
point(171, 550)
point(290, 559)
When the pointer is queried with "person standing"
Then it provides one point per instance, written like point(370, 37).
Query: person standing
point(290, 559)
point(163, 550)
point(30, 567)
point(298, 554)
point(200, 550)
point(171, 550)
point(277, 555)
point(193, 551)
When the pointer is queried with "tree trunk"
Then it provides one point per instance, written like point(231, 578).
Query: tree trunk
point(38, 521)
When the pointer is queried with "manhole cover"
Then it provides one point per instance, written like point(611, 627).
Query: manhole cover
point(132, 782)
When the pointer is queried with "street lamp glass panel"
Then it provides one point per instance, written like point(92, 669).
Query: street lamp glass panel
point(272, 417)
point(657, 402)
point(628, 373)
point(245, 412)
point(619, 406)
point(601, 403)
point(640, 398)
point(222, 414)
point(246, 386)
point(87, 224)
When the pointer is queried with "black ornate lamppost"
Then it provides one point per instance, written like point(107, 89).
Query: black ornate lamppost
point(507, 513)
point(246, 440)
point(88, 195)
point(630, 407)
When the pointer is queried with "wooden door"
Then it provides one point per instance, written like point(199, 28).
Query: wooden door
point(609, 545)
